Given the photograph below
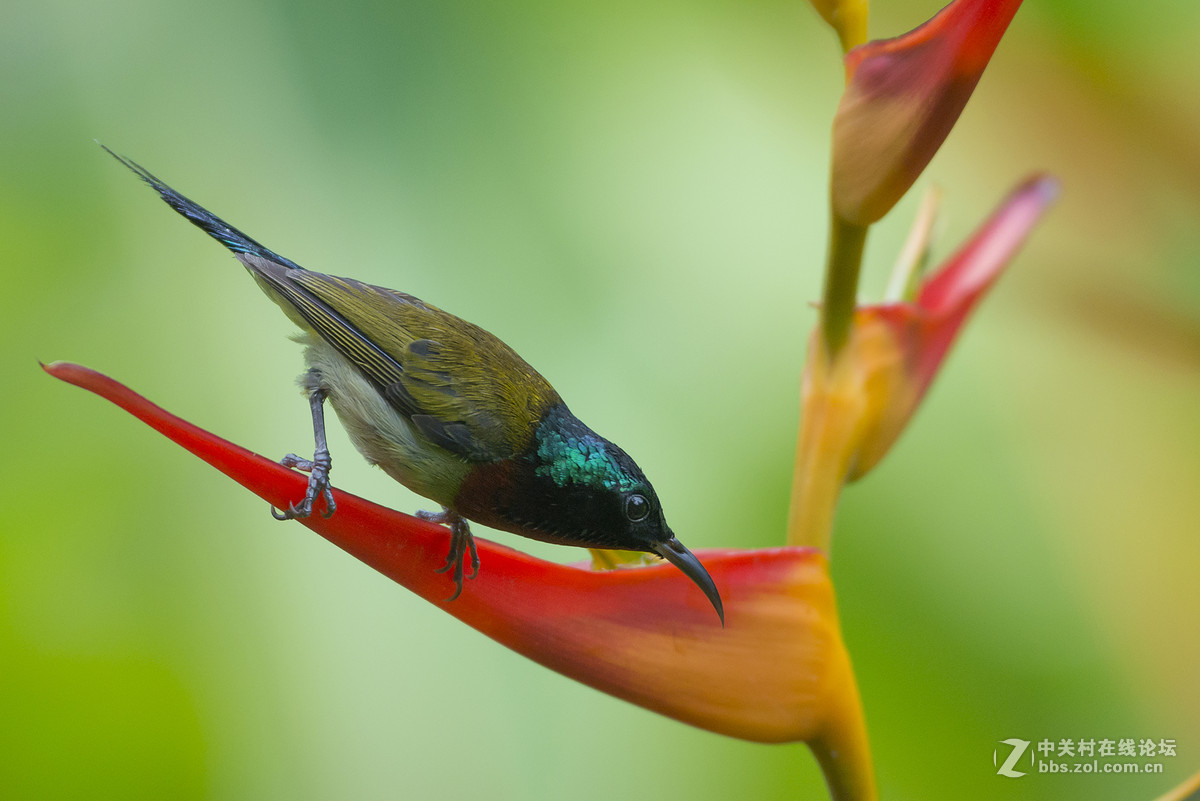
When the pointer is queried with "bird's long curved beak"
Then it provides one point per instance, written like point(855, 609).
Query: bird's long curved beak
point(674, 552)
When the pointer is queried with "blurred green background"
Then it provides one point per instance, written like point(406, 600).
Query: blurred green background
point(633, 196)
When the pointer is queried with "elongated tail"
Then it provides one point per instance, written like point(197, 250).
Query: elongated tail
point(204, 219)
point(276, 276)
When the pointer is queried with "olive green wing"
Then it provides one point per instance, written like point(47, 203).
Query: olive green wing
point(460, 386)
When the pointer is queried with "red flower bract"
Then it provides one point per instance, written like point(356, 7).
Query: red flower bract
point(929, 325)
point(902, 97)
point(855, 406)
point(777, 672)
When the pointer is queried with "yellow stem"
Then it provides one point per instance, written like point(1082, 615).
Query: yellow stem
point(851, 23)
point(842, 748)
point(1188, 791)
point(830, 411)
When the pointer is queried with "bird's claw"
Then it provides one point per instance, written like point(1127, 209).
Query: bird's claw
point(318, 486)
point(461, 541)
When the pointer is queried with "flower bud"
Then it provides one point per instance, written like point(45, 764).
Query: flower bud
point(902, 97)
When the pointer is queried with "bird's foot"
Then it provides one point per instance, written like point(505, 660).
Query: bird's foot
point(318, 485)
point(461, 542)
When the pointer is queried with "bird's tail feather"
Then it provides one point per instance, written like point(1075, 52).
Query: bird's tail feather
point(202, 218)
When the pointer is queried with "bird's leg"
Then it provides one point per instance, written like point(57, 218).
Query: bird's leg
point(318, 467)
point(461, 542)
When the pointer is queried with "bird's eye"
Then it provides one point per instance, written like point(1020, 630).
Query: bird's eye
point(637, 507)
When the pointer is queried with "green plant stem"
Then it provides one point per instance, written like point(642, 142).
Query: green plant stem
point(846, 242)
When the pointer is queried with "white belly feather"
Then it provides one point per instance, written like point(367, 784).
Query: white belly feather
point(381, 433)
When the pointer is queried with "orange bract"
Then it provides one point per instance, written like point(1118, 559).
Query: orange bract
point(856, 405)
point(777, 672)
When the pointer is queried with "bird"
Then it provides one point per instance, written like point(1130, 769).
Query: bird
point(451, 412)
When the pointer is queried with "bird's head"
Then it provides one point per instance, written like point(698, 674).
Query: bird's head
point(594, 494)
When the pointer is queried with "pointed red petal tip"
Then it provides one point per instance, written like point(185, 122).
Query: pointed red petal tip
point(961, 38)
point(947, 298)
point(927, 327)
point(970, 271)
point(646, 634)
point(902, 98)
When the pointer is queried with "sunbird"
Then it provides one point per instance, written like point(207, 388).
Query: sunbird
point(452, 413)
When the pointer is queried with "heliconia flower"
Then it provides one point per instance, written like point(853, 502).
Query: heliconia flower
point(854, 408)
point(777, 672)
point(902, 97)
